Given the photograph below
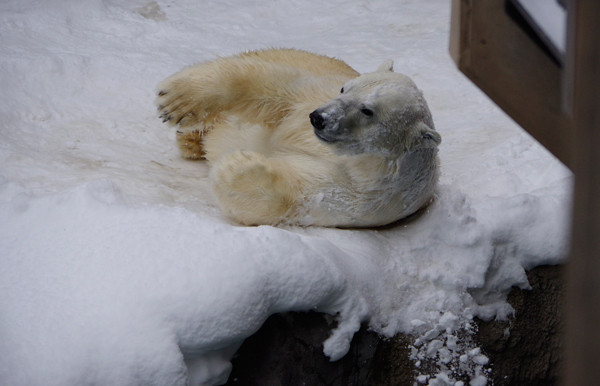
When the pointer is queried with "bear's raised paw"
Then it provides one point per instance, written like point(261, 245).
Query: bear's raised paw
point(187, 100)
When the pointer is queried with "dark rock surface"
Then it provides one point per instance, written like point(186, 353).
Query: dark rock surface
point(532, 353)
point(287, 350)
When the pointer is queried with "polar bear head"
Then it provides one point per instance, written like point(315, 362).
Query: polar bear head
point(381, 112)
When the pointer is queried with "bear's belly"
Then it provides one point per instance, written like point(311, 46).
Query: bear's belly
point(339, 208)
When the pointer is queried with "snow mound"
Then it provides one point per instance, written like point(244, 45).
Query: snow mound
point(90, 277)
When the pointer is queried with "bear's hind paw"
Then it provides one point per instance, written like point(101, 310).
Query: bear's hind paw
point(251, 190)
point(190, 144)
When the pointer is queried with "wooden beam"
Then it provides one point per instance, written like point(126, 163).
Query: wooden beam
point(507, 64)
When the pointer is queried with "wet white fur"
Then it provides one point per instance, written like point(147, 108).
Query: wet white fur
point(248, 115)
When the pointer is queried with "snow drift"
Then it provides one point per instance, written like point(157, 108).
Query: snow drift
point(116, 267)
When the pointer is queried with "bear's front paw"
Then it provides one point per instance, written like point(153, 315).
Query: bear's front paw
point(174, 108)
point(251, 190)
point(184, 100)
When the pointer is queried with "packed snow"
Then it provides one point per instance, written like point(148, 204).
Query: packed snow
point(117, 268)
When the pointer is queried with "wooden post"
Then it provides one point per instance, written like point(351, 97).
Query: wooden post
point(583, 278)
point(561, 109)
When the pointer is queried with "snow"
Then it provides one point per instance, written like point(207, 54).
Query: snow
point(117, 268)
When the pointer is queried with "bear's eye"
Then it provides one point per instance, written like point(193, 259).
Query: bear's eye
point(367, 112)
point(342, 91)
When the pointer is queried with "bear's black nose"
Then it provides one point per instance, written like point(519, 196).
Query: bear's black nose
point(316, 120)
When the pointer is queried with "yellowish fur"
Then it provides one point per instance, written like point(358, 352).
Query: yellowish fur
point(248, 115)
point(260, 87)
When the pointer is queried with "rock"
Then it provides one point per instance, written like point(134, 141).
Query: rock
point(532, 353)
point(288, 350)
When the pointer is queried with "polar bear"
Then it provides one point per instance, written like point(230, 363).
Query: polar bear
point(298, 138)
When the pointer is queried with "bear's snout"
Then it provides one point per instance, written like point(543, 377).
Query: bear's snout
point(326, 123)
point(316, 119)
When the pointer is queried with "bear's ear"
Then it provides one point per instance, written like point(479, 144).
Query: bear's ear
point(423, 137)
point(429, 134)
point(387, 66)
